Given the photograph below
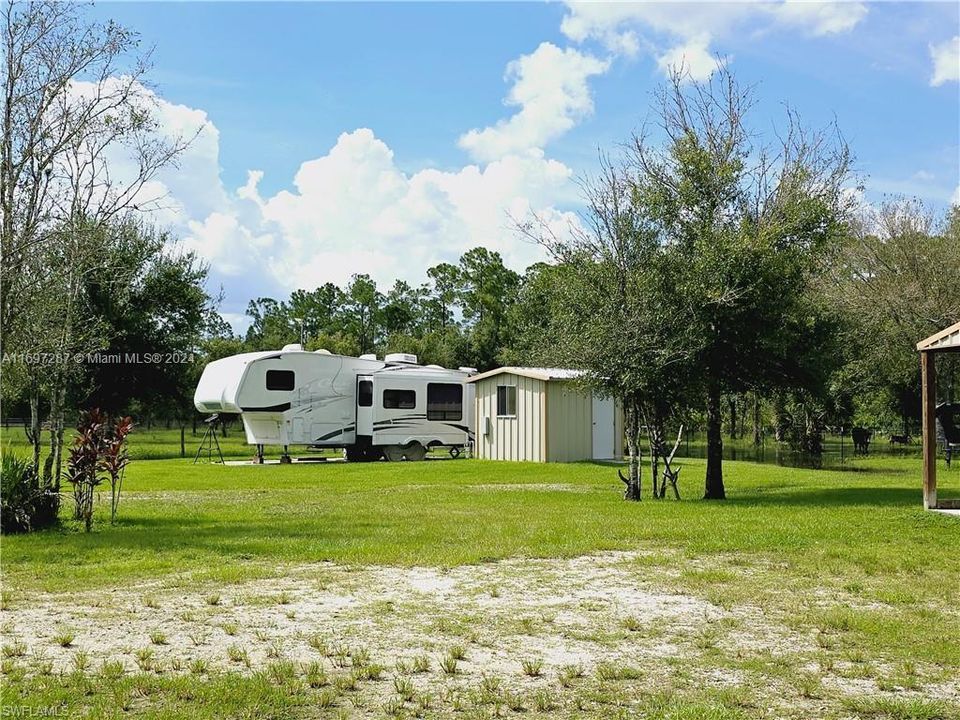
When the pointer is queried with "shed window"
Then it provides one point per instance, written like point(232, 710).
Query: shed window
point(506, 400)
point(444, 401)
point(365, 393)
point(399, 399)
point(280, 380)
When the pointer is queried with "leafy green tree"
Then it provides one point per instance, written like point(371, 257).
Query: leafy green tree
point(745, 226)
point(271, 325)
point(56, 186)
point(155, 325)
point(538, 298)
point(486, 290)
point(440, 305)
point(315, 312)
point(894, 280)
point(361, 312)
point(401, 311)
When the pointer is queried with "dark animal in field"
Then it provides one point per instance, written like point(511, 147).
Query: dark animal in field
point(948, 433)
point(901, 440)
point(861, 439)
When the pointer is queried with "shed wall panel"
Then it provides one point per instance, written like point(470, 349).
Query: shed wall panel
point(569, 423)
point(553, 423)
point(510, 438)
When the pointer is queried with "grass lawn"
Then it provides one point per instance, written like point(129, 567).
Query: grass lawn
point(806, 594)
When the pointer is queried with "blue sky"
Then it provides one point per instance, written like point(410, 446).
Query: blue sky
point(359, 116)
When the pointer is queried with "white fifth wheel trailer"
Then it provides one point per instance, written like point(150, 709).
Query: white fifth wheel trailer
point(371, 408)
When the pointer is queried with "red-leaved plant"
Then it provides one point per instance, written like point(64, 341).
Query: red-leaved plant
point(99, 450)
point(115, 458)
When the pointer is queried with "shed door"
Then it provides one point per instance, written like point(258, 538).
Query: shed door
point(603, 428)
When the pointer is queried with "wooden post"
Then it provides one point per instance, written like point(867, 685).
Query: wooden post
point(928, 372)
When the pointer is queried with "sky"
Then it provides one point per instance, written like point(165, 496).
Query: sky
point(333, 139)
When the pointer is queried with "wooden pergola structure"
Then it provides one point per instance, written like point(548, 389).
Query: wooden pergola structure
point(943, 342)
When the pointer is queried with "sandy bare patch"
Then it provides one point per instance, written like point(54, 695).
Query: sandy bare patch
point(587, 611)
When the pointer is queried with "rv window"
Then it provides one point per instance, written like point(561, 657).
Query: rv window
point(506, 400)
point(280, 380)
point(399, 399)
point(444, 401)
point(365, 393)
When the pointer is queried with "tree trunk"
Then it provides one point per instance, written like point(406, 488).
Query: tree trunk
point(632, 422)
point(654, 473)
point(780, 422)
point(183, 441)
point(633, 486)
point(58, 399)
point(732, 409)
point(50, 477)
point(757, 425)
point(35, 430)
point(655, 438)
point(714, 483)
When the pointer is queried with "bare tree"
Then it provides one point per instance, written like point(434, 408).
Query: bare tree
point(75, 105)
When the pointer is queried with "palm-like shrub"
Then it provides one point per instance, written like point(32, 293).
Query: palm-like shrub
point(99, 451)
point(115, 458)
point(25, 505)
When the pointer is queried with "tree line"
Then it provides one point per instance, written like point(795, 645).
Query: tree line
point(462, 315)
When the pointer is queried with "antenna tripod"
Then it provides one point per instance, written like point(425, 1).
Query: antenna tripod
point(209, 440)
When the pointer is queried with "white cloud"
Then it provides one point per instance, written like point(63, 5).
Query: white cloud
point(818, 18)
point(946, 61)
point(955, 200)
point(221, 238)
point(191, 186)
point(669, 31)
point(692, 59)
point(354, 211)
point(550, 88)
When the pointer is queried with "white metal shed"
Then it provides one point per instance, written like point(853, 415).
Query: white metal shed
point(540, 415)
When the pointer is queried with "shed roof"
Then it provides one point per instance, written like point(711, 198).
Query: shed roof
point(947, 339)
point(537, 373)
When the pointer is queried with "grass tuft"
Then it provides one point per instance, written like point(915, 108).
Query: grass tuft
point(15, 649)
point(532, 667)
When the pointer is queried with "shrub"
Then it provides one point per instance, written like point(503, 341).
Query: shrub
point(25, 504)
point(99, 451)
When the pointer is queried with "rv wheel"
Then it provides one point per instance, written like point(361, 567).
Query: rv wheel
point(413, 452)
